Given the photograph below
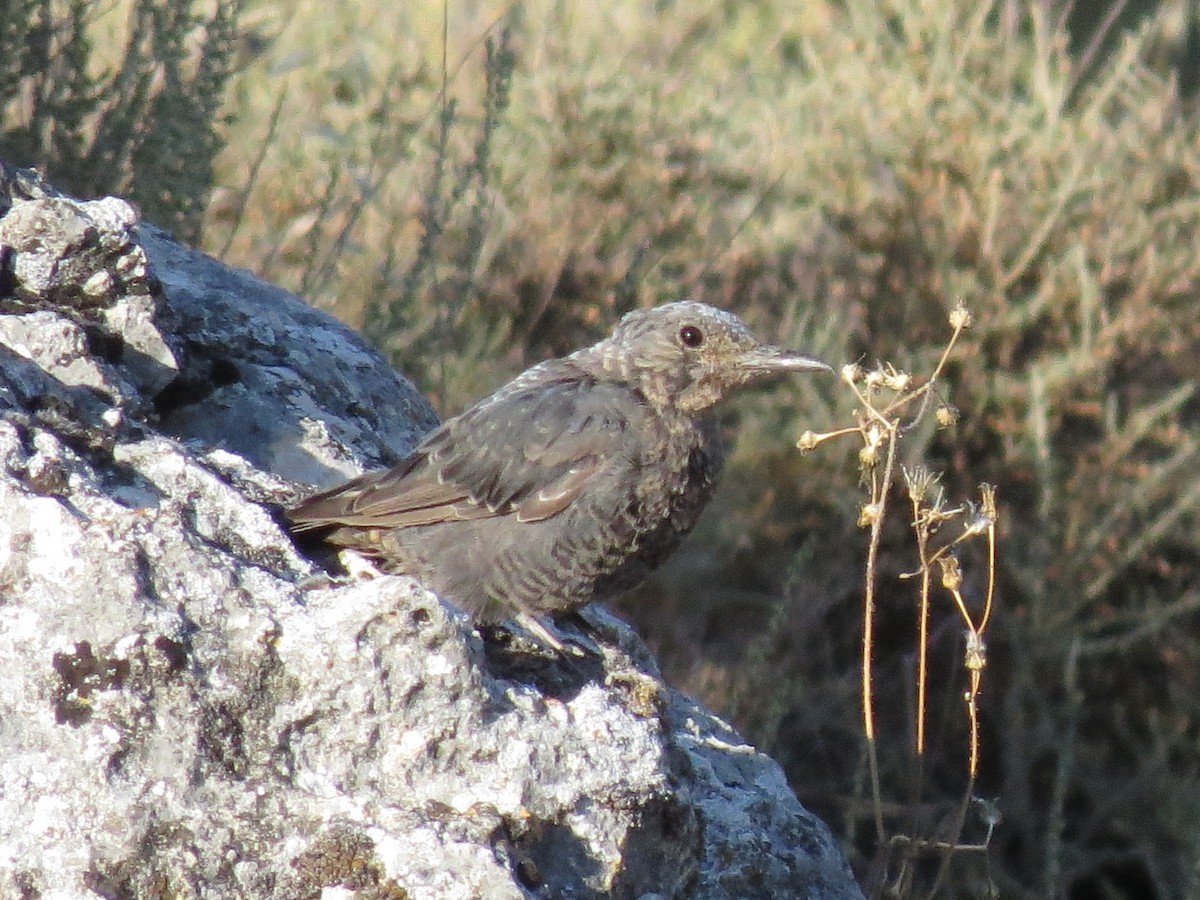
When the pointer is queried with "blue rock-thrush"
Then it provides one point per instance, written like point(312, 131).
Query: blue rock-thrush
point(570, 483)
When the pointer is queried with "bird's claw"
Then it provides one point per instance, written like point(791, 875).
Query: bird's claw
point(577, 644)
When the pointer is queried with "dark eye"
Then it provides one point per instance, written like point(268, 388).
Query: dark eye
point(691, 336)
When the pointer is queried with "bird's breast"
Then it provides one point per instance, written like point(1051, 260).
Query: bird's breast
point(680, 473)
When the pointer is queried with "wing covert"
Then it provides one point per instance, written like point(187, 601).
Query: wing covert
point(527, 451)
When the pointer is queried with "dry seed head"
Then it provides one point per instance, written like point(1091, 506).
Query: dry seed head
point(869, 514)
point(951, 573)
point(851, 373)
point(874, 379)
point(808, 441)
point(989, 811)
point(988, 493)
point(946, 415)
point(897, 381)
point(960, 317)
point(975, 655)
point(873, 439)
point(919, 480)
point(978, 523)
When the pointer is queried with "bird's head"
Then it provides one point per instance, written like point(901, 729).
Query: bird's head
point(688, 355)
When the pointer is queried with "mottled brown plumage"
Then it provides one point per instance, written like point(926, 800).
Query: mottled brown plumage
point(570, 483)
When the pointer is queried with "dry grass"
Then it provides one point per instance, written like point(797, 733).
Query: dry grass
point(842, 174)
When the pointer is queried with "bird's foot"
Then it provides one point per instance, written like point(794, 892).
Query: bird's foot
point(575, 644)
point(357, 566)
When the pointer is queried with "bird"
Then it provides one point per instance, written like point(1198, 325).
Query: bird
point(569, 484)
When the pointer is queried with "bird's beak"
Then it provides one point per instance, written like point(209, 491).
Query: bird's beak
point(768, 360)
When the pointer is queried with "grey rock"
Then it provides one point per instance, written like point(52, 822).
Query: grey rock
point(72, 254)
point(205, 352)
point(270, 378)
point(188, 711)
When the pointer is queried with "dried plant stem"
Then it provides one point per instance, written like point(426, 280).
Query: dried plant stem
point(881, 427)
point(922, 531)
point(879, 494)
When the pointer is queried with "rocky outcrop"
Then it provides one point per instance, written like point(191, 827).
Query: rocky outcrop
point(189, 709)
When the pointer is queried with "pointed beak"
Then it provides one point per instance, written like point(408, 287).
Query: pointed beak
point(768, 360)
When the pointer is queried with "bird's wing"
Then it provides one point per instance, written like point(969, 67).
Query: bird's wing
point(528, 452)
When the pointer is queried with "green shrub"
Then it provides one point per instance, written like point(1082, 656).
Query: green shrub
point(101, 112)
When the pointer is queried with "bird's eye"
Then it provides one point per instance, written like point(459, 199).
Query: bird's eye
point(691, 336)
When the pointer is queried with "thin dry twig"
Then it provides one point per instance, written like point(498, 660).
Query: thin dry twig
point(882, 423)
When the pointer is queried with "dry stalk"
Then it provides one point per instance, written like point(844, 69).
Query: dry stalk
point(888, 407)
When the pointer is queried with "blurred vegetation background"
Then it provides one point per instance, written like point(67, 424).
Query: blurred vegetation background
point(479, 185)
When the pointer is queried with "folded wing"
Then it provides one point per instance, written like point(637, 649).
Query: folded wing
point(527, 452)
